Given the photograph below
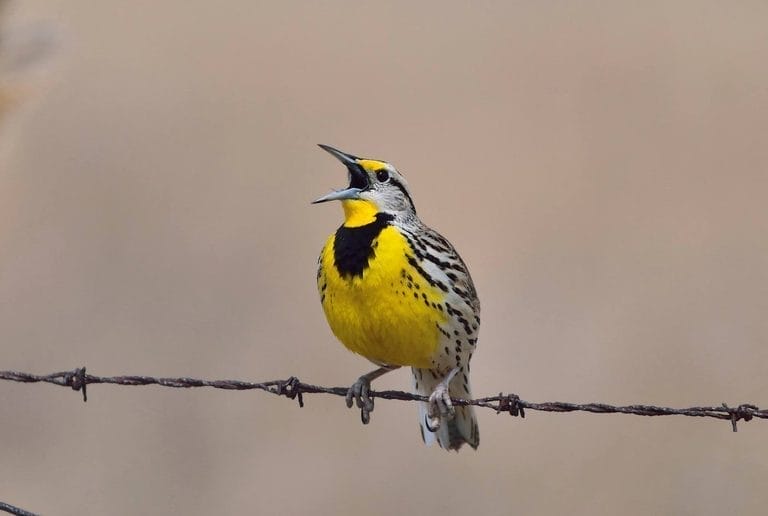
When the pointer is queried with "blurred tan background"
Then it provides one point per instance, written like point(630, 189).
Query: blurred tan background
point(600, 166)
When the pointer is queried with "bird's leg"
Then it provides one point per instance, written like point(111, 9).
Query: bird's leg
point(440, 406)
point(360, 390)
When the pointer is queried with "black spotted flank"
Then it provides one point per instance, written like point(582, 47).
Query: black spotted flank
point(353, 247)
point(424, 274)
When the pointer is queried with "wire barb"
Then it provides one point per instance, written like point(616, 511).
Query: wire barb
point(511, 404)
point(76, 380)
point(744, 411)
point(292, 388)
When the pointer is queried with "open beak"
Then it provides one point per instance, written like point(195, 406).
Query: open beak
point(339, 195)
point(347, 159)
point(358, 179)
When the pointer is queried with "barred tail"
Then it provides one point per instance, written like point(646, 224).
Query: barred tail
point(454, 433)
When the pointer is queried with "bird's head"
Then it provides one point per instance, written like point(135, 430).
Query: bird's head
point(374, 187)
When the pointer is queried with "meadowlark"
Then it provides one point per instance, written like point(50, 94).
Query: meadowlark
point(397, 292)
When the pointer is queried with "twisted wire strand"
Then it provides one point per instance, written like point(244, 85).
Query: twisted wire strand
point(293, 388)
point(17, 511)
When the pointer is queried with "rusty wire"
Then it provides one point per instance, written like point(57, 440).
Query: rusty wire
point(293, 388)
point(12, 509)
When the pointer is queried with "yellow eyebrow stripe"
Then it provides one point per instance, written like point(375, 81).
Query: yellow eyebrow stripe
point(371, 165)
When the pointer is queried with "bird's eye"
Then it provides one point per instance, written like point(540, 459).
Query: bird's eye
point(382, 175)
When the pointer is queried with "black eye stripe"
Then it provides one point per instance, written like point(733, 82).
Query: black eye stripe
point(399, 185)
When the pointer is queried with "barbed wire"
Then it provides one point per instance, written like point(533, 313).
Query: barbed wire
point(12, 509)
point(293, 388)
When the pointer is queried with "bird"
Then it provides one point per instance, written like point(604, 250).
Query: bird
point(396, 292)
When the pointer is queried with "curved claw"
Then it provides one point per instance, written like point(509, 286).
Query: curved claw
point(432, 424)
point(350, 395)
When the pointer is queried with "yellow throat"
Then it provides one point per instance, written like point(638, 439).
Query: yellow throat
point(358, 212)
point(376, 302)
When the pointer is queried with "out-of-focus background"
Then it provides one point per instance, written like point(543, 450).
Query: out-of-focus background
point(601, 167)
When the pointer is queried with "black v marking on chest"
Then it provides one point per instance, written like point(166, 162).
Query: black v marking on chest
point(353, 247)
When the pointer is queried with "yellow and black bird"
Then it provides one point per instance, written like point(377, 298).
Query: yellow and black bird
point(398, 293)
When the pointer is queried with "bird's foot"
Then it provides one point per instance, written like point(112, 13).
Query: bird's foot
point(359, 393)
point(440, 407)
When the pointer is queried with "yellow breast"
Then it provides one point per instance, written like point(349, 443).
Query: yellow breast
point(388, 313)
